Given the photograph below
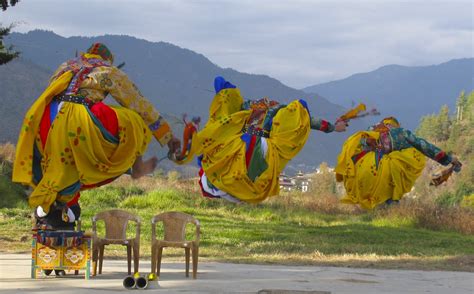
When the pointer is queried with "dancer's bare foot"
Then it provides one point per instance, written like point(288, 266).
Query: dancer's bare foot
point(141, 168)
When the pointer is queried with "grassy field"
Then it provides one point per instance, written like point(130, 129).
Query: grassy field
point(288, 229)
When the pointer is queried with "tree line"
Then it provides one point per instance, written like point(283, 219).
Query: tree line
point(454, 132)
point(445, 128)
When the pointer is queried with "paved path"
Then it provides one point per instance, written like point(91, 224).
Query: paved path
point(238, 278)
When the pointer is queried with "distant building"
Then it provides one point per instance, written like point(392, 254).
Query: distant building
point(287, 184)
point(300, 182)
point(319, 171)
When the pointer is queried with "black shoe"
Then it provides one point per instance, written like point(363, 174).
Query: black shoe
point(60, 273)
point(47, 272)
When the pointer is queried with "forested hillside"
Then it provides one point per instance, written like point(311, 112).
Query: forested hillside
point(454, 133)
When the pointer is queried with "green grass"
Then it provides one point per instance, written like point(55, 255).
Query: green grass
point(11, 195)
point(271, 232)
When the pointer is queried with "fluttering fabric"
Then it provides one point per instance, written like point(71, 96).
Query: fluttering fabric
point(190, 128)
point(244, 147)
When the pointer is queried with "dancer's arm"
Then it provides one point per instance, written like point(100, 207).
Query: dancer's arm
point(126, 93)
point(327, 127)
point(425, 147)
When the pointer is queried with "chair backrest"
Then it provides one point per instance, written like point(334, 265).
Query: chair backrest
point(174, 224)
point(116, 222)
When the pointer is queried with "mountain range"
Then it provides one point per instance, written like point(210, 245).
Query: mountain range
point(177, 80)
point(406, 92)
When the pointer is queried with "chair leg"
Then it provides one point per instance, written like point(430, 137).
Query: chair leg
point(95, 255)
point(136, 257)
point(153, 259)
point(101, 257)
point(195, 261)
point(158, 261)
point(129, 258)
point(186, 250)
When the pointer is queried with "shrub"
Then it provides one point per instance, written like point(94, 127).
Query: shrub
point(11, 194)
point(7, 152)
point(468, 201)
point(455, 198)
point(428, 215)
point(173, 176)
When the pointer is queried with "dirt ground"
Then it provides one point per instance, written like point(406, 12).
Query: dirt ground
point(237, 278)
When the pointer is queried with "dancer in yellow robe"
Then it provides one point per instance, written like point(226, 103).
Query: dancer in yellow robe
point(71, 141)
point(244, 146)
point(381, 165)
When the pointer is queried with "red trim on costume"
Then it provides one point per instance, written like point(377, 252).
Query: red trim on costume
point(45, 124)
point(324, 125)
point(249, 152)
point(440, 156)
point(90, 186)
point(359, 156)
point(74, 200)
point(107, 117)
point(204, 193)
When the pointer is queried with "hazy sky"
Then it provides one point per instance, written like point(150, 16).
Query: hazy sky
point(301, 43)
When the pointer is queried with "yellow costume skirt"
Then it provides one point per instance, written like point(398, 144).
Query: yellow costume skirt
point(79, 153)
point(223, 150)
point(373, 180)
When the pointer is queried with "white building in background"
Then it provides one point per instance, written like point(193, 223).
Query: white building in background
point(318, 170)
point(300, 182)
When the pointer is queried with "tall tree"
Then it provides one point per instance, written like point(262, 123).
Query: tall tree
point(6, 53)
point(469, 109)
point(443, 123)
point(428, 127)
point(5, 3)
point(460, 106)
